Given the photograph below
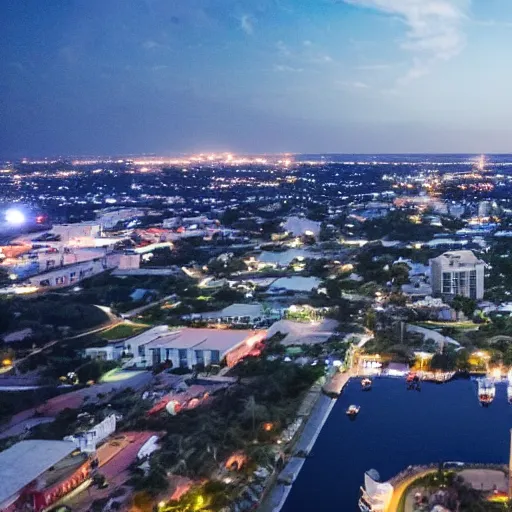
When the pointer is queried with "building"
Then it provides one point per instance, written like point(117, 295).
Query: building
point(111, 217)
point(35, 474)
point(238, 314)
point(298, 226)
point(457, 273)
point(187, 347)
point(67, 275)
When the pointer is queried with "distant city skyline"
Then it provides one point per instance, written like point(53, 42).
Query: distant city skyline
point(268, 76)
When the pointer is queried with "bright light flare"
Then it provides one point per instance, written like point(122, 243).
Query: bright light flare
point(15, 217)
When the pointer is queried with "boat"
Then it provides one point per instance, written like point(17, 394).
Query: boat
point(366, 384)
point(509, 393)
point(486, 391)
point(411, 378)
point(353, 410)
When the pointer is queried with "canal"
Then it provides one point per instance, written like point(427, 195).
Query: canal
point(397, 428)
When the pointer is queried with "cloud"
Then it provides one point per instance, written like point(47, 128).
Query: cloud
point(434, 29)
point(246, 25)
point(355, 85)
point(150, 45)
point(283, 49)
point(374, 67)
point(287, 69)
point(307, 42)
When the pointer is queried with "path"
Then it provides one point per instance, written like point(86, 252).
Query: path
point(141, 309)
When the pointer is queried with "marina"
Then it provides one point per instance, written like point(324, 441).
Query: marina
point(398, 429)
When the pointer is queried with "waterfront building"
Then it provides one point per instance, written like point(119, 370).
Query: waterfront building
point(457, 273)
point(375, 495)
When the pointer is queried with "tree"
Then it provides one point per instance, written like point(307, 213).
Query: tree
point(444, 362)
point(399, 274)
point(229, 217)
point(464, 304)
point(370, 320)
point(4, 277)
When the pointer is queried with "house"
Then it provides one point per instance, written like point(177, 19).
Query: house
point(298, 226)
point(238, 314)
point(186, 348)
point(295, 284)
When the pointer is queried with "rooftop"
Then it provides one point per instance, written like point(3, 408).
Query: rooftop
point(458, 258)
point(204, 339)
point(27, 460)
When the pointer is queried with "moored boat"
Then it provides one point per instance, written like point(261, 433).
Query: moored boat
point(509, 393)
point(353, 410)
point(486, 391)
point(366, 384)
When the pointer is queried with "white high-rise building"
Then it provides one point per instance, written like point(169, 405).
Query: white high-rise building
point(457, 273)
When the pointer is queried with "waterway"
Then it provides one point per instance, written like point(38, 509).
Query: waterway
point(397, 428)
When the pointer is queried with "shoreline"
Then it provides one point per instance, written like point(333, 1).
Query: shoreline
point(281, 488)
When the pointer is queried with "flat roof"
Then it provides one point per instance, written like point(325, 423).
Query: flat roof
point(204, 339)
point(27, 460)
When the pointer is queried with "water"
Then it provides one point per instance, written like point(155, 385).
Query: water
point(397, 428)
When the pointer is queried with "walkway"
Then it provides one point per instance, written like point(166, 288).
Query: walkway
point(403, 484)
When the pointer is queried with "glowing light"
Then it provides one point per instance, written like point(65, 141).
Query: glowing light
point(15, 217)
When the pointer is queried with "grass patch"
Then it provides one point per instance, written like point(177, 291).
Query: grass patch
point(439, 325)
point(123, 331)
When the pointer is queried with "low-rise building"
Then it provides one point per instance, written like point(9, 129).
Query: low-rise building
point(67, 275)
point(35, 474)
point(188, 347)
point(238, 314)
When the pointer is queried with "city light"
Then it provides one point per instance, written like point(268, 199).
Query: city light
point(14, 217)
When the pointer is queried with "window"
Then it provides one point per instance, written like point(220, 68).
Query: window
point(215, 357)
point(182, 354)
point(141, 351)
point(60, 280)
point(447, 282)
point(199, 356)
point(472, 284)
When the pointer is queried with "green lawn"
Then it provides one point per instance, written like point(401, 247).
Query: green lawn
point(122, 331)
point(456, 325)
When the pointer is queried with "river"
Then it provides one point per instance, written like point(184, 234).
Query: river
point(397, 428)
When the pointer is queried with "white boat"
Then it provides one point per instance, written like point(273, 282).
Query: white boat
point(486, 391)
point(366, 384)
point(509, 393)
point(353, 410)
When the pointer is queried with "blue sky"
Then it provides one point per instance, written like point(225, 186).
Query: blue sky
point(165, 76)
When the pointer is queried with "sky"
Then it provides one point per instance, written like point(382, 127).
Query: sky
point(88, 77)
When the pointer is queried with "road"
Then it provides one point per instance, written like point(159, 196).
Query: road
point(112, 322)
